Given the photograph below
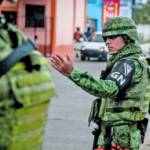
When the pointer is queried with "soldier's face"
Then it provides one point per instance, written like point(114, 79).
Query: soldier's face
point(115, 43)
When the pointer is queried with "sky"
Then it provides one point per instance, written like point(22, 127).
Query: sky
point(143, 1)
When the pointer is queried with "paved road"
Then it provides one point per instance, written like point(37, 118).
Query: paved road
point(67, 126)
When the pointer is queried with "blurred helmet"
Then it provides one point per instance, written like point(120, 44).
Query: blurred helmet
point(120, 25)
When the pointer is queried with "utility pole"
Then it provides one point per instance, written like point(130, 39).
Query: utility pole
point(133, 3)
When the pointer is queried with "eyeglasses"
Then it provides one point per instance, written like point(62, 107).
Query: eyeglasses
point(110, 37)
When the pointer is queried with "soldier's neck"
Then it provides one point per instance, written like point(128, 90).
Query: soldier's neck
point(112, 52)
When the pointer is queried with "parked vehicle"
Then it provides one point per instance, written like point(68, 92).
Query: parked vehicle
point(94, 46)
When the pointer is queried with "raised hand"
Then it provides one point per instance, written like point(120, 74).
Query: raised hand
point(65, 67)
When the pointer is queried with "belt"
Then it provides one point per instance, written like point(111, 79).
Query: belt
point(121, 109)
point(105, 129)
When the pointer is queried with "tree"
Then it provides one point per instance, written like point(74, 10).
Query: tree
point(142, 16)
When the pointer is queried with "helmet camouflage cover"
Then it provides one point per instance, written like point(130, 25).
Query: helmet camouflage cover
point(120, 25)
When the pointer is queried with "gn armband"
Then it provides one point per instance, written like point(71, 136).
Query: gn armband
point(122, 74)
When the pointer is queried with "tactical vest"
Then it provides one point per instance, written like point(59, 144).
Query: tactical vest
point(134, 103)
point(25, 92)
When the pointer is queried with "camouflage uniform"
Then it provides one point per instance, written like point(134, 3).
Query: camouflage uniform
point(133, 100)
point(25, 91)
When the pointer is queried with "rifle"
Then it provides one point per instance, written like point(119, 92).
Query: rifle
point(96, 134)
point(107, 137)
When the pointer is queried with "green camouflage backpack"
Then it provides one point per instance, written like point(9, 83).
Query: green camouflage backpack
point(120, 25)
point(25, 90)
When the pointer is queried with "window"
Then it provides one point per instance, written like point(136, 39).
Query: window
point(96, 38)
point(11, 16)
point(34, 16)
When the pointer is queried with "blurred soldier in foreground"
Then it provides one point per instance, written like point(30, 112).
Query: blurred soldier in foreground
point(25, 89)
point(123, 88)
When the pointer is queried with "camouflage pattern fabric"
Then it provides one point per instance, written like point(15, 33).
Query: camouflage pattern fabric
point(123, 136)
point(108, 91)
point(120, 25)
point(94, 111)
point(25, 92)
point(103, 88)
point(127, 50)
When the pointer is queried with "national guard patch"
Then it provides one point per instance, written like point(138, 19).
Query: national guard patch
point(125, 69)
point(122, 74)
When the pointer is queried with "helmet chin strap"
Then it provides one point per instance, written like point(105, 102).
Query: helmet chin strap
point(112, 52)
point(126, 40)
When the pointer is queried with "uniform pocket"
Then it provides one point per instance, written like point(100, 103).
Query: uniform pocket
point(135, 139)
point(94, 111)
point(122, 134)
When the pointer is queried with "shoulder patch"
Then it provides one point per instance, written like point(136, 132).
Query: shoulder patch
point(122, 74)
point(126, 68)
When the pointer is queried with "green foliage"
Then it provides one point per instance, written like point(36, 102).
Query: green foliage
point(143, 42)
point(142, 16)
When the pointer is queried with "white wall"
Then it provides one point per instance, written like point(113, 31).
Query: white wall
point(143, 31)
point(64, 22)
point(80, 14)
point(125, 8)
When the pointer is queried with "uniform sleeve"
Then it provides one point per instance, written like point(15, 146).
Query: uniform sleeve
point(126, 73)
point(94, 86)
point(122, 74)
point(104, 88)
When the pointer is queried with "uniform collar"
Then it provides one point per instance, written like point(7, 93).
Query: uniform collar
point(129, 49)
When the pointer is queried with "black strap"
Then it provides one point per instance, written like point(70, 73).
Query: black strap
point(121, 109)
point(96, 133)
point(19, 53)
point(149, 108)
point(119, 28)
point(105, 73)
point(108, 138)
point(3, 148)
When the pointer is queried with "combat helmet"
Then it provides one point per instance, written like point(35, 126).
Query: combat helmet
point(120, 25)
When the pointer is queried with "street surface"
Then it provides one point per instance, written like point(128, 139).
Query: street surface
point(67, 123)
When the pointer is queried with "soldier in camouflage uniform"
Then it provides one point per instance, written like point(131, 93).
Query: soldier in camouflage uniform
point(25, 90)
point(123, 88)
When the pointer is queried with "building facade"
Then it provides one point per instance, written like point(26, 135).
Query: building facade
point(126, 8)
point(98, 11)
point(94, 14)
point(50, 23)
